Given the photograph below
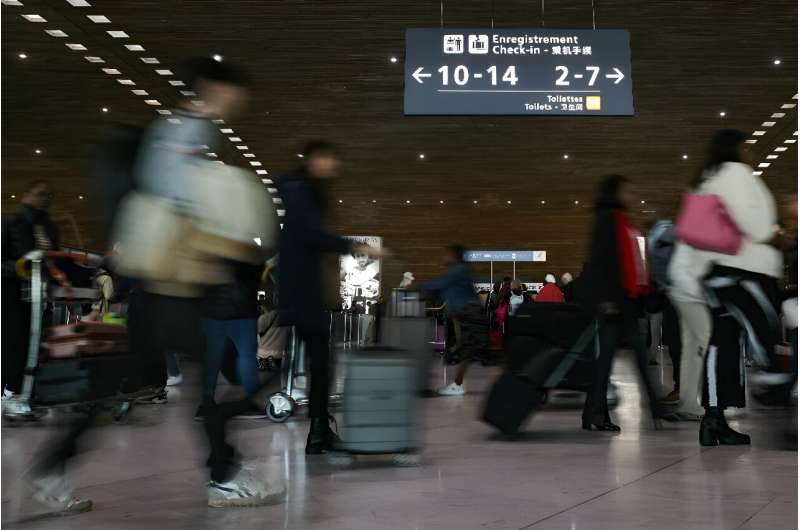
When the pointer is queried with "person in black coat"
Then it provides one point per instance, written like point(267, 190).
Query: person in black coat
point(28, 230)
point(613, 281)
point(303, 241)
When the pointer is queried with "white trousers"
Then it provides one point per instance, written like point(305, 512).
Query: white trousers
point(695, 321)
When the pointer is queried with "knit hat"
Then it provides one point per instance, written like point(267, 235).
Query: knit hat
point(549, 279)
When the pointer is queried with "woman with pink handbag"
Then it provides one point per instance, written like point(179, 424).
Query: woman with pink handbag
point(731, 223)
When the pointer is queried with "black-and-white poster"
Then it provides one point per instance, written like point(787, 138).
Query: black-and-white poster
point(360, 278)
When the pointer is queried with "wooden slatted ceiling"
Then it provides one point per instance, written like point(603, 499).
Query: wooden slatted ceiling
point(321, 69)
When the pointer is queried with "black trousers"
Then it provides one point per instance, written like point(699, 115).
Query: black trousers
point(671, 337)
point(316, 337)
point(614, 331)
point(16, 329)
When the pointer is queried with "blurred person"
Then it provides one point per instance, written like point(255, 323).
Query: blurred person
point(742, 289)
point(491, 300)
point(30, 229)
point(303, 242)
point(567, 287)
point(550, 292)
point(616, 279)
point(407, 281)
point(457, 289)
point(517, 296)
point(169, 315)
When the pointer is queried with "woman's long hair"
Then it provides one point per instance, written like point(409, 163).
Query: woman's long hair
point(725, 146)
point(608, 192)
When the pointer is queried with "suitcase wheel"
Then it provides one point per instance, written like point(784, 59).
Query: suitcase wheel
point(279, 407)
point(407, 459)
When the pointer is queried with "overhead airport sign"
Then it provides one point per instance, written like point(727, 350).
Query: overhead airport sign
point(505, 255)
point(518, 72)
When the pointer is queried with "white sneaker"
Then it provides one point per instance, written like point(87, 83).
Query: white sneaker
point(174, 380)
point(55, 494)
point(7, 394)
point(243, 491)
point(452, 390)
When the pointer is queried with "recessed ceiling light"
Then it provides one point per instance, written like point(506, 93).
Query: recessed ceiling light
point(135, 47)
point(392, 60)
point(299, 155)
point(80, 197)
point(177, 82)
point(104, 109)
point(117, 34)
point(277, 200)
point(93, 59)
point(139, 92)
point(249, 155)
point(758, 173)
point(149, 60)
point(759, 133)
point(340, 201)
point(265, 181)
point(778, 115)
point(226, 131)
point(262, 172)
point(15, 3)
point(441, 202)
point(234, 139)
point(79, 3)
point(577, 202)
point(776, 62)
point(269, 181)
point(722, 114)
point(685, 157)
point(34, 18)
point(38, 151)
point(422, 156)
point(164, 72)
point(408, 202)
point(23, 55)
point(56, 33)
point(13, 196)
point(188, 93)
point(242, 148)
point(256, 164)
point(789, 141)
point(217, 57)
point(218, 121)
point(509, 202)
point(566, 156)
point(768, 124)
point(781, 149)
point(153, 102)
point(374, 201)
point(127, 82)
point(75, 46)
point(544, 202)
point(111, 71)
point(772, 157)
point(165, 112)
point(99, 19)
point(751, 141)
point(642, 202)
point(764, 164)
point(474, 202)
point(788, 105)
point(280, 213)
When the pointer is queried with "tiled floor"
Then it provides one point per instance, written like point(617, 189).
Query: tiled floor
point(148, 474)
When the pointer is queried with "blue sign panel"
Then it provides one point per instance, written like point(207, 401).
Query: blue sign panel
point(551, 72)
point(505, 255)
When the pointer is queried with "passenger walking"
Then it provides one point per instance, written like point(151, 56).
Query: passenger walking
point(567, 287)
point(517, 297)
point(303, 242)
point(616, 278)
point(741, 288)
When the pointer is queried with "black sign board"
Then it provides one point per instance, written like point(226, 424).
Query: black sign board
point(518, 71)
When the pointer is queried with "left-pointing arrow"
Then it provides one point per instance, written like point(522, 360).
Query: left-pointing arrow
point(418, 75)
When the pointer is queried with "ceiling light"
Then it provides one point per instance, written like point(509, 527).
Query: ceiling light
point(577, 202)
point(80, 197)
point(422, 156)
point(218, 121)
point(149, 60)
point(795, 96)
point(153, 102)
point(234, 139)
point(242, 148)
point(117, 34)
point(226, 131)
point(266, 181)
point(474, 202)
point(778, 115)
point(188, 93)
point(99, 19)
point(772, 157)
point(280, 213)
point(788, 105)
point(374, 201)
point(768, 124)
point(135, 47)
point(642, 202)
point(722, 114)
point(164, 72)
point(685, 157)
point(776, 62)
point(758, 173)
point(173, 120)
point(75, 47)
point(13, 196)
point(759, 133)
point(566, 156)
point(38, 151)
point(79, 3)
point(392, 60)
point(217, 57)
point(781, 149)
point(177, 82)
point(111, 71)
point(22, 56)
point(750, 141)
point(544, 202)
point(277, 200)
point(139, 92)
point(249, 155)
point(764, 164)
point(15, 3)
point(340, 201)
point(790, 141)
point(408, 202)
point(56, 33)
point(272, 190)
point(126, 82)
point(165, 112)
point(104, 109)
point(211, 155)
point(441, 202)
point(93, 59)
point(509, 202)
point(256, 164)
point(34, 18)
point(261, 172)
point(299, 155)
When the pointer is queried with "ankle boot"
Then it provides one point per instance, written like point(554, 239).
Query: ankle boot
point(321, 439)
point(714, 430)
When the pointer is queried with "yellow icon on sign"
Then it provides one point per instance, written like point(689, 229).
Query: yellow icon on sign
point(593, 103)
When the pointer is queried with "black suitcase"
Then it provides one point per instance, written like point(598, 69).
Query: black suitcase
point(511, 400)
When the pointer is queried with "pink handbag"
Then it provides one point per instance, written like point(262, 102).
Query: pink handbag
point(704, 223)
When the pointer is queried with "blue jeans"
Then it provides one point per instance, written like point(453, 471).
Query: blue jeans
point(243, 334)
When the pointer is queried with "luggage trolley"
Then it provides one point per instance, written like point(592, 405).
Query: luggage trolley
point(59, 281)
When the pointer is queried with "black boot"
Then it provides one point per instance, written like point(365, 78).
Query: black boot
point(714, 430)
point(321, 439)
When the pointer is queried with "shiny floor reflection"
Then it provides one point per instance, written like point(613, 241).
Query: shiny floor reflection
point(147, 473)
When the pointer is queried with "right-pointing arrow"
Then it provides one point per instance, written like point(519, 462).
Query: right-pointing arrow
point(619, 76)
point(418, 75)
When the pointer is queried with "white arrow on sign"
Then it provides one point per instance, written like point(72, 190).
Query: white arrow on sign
point(418, 75)
point(619, 76)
